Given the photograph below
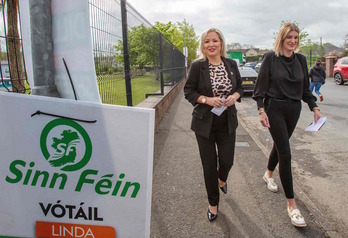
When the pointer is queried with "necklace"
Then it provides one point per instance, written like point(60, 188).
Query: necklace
point(215, 61)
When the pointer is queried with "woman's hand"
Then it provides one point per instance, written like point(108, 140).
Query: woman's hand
point(317, 114)
point(264, 119)
point(215, 101)
point(231, 99)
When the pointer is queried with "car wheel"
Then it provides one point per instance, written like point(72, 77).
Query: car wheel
point(339, 79)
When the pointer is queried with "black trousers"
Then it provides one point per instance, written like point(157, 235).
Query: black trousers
point(283, 116)
point(217, 155)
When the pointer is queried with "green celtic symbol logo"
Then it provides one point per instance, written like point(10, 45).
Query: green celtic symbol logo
point(65, 145)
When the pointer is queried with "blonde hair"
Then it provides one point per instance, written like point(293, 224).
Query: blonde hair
point(283, 32)
point(223, 53)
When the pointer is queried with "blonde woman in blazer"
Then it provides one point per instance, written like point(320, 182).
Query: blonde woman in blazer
point(214, 81)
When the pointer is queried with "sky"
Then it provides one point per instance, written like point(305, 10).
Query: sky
point(253, 21)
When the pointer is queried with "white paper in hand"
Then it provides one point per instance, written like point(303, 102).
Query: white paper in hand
point(316, 127)
point(219, 110)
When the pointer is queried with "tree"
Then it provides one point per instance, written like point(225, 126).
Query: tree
point(190, 37)
point(180, 34)
point(308, 48)
point(321, 50)
point(345, 44)
point(144, 43)
point(14, 46)
point(143, 47)
point(167, 29)
point(344, 53)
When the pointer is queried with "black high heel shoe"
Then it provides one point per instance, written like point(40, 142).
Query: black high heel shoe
point(211, 216)
point(224, 188)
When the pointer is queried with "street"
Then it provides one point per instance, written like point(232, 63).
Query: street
point(249, 209)
point(319, 161)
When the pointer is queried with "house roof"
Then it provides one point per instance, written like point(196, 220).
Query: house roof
point(262, 52)
point(329, 48)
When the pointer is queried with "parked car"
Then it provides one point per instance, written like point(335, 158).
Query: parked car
point(340, 71)
point(250, 65)
point(248, 76)
point(257, 67)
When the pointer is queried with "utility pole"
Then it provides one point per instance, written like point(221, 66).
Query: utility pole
point(42, 48)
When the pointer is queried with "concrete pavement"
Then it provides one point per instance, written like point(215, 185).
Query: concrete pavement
point(179, 201)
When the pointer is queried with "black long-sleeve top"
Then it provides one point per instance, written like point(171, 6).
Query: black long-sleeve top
point(283, 78)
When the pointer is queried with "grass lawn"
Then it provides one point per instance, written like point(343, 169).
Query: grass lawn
point(112, 88)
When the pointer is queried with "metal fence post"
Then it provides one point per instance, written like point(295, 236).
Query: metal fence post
point(161, 63)
point(173, 66)
point(127, 68)
point(42, 48)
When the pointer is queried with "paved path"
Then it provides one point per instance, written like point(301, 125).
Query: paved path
point(179, 201)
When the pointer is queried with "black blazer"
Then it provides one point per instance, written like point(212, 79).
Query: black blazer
point(198, 83)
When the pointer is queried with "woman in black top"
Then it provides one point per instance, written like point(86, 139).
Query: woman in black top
point(281, 85)
point(214, 81)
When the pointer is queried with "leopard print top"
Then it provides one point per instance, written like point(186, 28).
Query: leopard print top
point(221, 84)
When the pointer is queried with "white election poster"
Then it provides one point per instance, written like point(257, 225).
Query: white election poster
point(74, 169)
point(71, 42)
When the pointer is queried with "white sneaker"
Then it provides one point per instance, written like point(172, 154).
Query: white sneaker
point(296, 218)
point(271, 184)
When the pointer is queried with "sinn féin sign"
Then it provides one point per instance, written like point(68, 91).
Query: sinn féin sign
point(67, 177)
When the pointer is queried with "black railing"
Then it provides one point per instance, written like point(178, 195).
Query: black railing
point(152, 61)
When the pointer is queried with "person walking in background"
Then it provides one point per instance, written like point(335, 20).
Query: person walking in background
point(317, 75)
point(281, 85)
point(214, 82)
